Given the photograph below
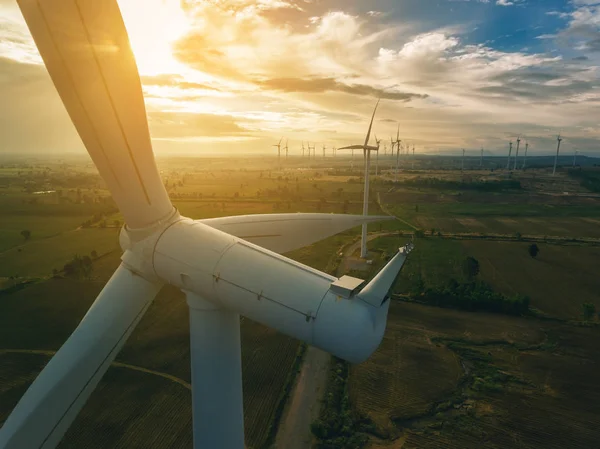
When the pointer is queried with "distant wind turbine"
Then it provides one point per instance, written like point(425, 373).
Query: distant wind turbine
point(279, 151)
point(509, 153)
point(463, 161)
point(517, 153)
point(398, 147)
point(575, 157)
point(525, 156)
point(481, 160)
point(324, 148)
point(377, 142)
point(558, 140)
point(367, 157)
point(302, 148)
point(286, 149)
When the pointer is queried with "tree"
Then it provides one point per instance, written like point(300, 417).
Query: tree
point(470, 267)
point(533, 250)
point(26, 233)
point(589, 310)
point(345, 206)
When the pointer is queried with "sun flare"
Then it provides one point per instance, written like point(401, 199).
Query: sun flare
point(153, 26)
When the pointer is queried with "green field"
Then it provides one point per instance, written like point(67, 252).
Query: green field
point(442, 378)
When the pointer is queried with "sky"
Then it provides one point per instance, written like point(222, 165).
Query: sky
point(235, 76)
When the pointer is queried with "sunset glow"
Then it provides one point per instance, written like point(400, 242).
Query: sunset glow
point(454, 75)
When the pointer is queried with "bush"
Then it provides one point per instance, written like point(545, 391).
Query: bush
point(475, 296)
point(533, 250)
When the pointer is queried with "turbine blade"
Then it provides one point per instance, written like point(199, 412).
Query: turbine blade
point(285, 232)
point(52, 402)
point(352, 147)
point(372, 148)
point(371, 124)
point(86, 50)
point(376, 291)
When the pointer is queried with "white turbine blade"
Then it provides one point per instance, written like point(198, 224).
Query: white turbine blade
point(52, 402)
point(376, 291)
point(86, 50)
point(281, 233)
point(352, 147)
point(371, 148)
point(371, 124)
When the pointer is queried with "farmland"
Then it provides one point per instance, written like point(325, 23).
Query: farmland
point(441, 378)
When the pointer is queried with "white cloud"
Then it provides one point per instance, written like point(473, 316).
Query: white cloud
point(504, 3)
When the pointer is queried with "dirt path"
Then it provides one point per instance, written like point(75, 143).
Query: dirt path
point(304, 404)
point(181, 382)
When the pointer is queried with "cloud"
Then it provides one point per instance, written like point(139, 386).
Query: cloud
point(330, 84)
point(583, 30)
point(504, 3)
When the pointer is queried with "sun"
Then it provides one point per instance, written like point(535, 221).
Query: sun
point(153, 26)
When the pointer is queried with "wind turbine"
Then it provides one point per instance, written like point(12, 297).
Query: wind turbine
point(517, 153)
point(367, 157)
point(509, 152)
point(481, 160)
point(398, 147)
point(286, 149)
point(463, 161)
point(377, 142)
point(525, 156)
point(279, 152)
point(302, 148)
point(575, 157)
point(324, 148)
point(222, 275)
point(558, 140)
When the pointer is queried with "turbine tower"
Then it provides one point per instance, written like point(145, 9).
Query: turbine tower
point(286, 149)
point(279, 152)
point(575, 157)
point(324, 148)
point(222, 275)
point(367, 157)
point(481, 160)
point(509, 152)
point(303, 148)
point(398, 147)
point(558, 140)
point(517, 153)
point(377, 142)
point(525, 156)
point(463, 161)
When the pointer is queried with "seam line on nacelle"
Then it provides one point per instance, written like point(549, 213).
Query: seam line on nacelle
point(262, 296)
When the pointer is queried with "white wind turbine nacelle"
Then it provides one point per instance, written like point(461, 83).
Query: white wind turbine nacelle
point(217, 262)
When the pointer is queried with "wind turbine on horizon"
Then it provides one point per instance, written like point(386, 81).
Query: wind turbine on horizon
point(377, 143)
point(286, 149)
point(222, 275)
point(509, 153)
point(398, 147)
point(517, 153)
point(303, 148)
point(525, 156)
point(278, 145)
point(367, 157)
point(558, 140)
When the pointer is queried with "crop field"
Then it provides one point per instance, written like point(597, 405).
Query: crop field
point(508, 382)
point(25, 261)
point(558, 280)
point(41, 316)
point(480, 214)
